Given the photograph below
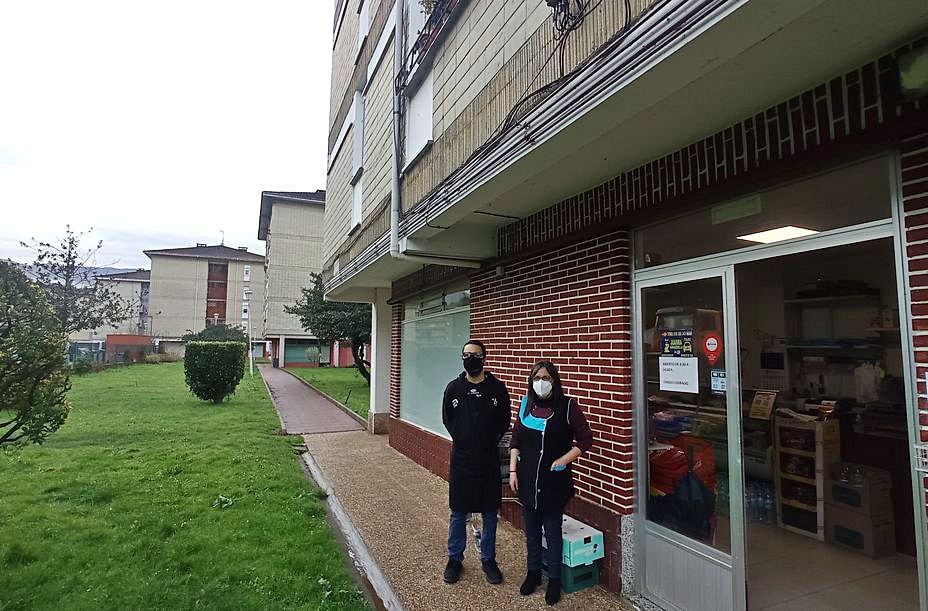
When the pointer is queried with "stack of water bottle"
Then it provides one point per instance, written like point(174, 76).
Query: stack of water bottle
point(760, 502)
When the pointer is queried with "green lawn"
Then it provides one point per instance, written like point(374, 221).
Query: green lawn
point(339, 383)
point(127, 506)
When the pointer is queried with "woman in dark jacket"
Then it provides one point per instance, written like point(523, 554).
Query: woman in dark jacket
point(550, 433)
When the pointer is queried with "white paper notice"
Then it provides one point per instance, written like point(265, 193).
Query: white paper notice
point(680, 374)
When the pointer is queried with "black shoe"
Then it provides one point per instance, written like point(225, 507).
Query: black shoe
point(453, 570)
point(491, 570)
point(553, 593)
point(532, 581)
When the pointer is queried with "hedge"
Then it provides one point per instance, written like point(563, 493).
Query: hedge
point(214, 369)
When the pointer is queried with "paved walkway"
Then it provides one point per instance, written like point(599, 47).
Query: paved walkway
point(400, 511)
point(302, 410)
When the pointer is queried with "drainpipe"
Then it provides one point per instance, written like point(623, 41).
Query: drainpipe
point(399, 39)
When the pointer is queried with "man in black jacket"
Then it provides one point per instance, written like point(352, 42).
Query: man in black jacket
point(476, 412)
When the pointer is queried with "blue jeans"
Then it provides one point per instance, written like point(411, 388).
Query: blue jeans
point(457, 536)
point(550, 521)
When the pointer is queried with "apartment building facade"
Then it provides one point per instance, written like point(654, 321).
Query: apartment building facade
point(194, 287)
point(695, 209)
point(290, 224)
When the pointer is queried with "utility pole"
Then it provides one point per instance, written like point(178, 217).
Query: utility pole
point(246, 300)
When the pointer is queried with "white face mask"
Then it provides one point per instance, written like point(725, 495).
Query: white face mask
point(542, 388)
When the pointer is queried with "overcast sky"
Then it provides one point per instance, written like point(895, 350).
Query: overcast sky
point(157, 123)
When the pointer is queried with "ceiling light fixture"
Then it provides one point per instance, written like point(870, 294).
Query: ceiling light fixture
point(777, 235)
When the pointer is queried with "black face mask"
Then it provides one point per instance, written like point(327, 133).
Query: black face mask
point(473, 365)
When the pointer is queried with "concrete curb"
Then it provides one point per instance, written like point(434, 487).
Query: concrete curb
point(335, 402)
point(362, 554)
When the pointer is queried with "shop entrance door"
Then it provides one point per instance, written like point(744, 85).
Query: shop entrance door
point(691, 488)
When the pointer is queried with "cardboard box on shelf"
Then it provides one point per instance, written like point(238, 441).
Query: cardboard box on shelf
point(870, 496)
point(871, 535)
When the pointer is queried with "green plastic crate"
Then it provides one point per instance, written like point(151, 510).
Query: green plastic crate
point(576, 578)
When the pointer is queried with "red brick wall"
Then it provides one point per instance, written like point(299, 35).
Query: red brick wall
point(396, 346)
point(570, 306)
point(914, 166)
point(426, 448)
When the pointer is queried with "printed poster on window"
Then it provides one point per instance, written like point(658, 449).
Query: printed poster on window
point(679, 374)
point(677, 343)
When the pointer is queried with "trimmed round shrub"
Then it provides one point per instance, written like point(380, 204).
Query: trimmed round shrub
point(214, 369)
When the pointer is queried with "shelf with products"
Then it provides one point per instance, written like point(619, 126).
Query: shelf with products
point(804, 452)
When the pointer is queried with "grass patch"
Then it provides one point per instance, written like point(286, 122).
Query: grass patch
point(339, 383)
point(148, 498)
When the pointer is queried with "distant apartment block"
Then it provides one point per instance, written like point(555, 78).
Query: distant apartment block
point(133, 288)
point(192, 288)
point(291, 225)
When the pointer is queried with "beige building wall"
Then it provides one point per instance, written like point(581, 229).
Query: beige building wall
point(178, 295)
point(344, 53)
point(492, 54)
point(488, 33)
point(294, 252)
point(338, 200)
point(378, 136)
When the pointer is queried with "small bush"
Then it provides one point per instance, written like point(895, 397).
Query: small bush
point(81, 367)
point(170, 358)
point(153, 359)
point(98, 367)
point(214, 369)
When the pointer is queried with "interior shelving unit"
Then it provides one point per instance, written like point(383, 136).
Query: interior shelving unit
point(804, 451)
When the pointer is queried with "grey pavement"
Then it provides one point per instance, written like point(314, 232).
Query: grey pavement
point(302, 410)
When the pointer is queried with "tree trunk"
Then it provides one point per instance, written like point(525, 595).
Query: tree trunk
point(357, 351)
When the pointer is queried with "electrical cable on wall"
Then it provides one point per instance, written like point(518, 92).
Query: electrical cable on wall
point(567, 17)
point(447, 189)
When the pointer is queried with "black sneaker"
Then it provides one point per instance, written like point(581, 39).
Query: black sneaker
point(553, 593)
point(453, 570)
point(532, 581)
point(491, 570)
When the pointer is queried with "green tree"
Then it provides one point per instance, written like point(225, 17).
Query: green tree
point(67, 272)
point(218, 333)
point(330, 321)
point(33, 379)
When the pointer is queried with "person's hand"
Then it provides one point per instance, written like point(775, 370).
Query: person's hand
point(514, 482)
point(559, 465)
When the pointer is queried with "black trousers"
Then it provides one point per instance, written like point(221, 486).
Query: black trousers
point(537, 520)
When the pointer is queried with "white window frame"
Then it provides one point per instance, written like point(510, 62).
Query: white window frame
point(247, 274)
point(419, 118)
point(364, 25)
point(357, 203)
point(357, 138)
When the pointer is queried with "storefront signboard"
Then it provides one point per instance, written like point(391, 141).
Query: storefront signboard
point(738, 209)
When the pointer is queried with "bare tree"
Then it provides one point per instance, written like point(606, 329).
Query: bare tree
point(67, 272)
